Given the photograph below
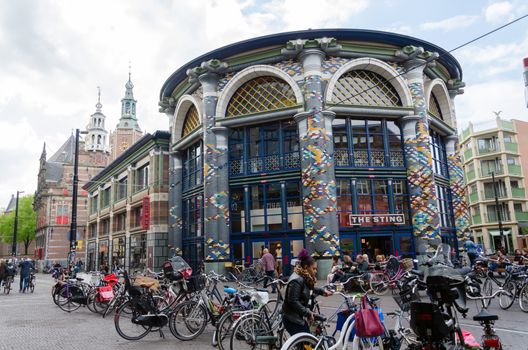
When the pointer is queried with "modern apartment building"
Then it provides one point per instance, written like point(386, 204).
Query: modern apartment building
point(490, 150)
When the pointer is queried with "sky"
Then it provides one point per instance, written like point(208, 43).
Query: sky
point(54, 54)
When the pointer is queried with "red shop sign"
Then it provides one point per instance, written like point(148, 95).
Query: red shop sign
point(145, 220)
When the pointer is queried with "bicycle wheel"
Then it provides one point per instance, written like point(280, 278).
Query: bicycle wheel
point(487, 290)
point(246, 332)
point(65, 298)
point(91, 299)
point(98, 305)
point(124, 323)
point(300, 342)
point(507, 297)
point(7, 286)
point(32, 285)
point(222, 333)
point(379, 283)
point(523, 298)
point(188, 320)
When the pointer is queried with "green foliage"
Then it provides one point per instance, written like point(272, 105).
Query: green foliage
point(27, 222)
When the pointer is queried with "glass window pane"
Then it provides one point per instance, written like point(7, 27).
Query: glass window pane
point(255, 146)
point(295, 247)
point(273, 206)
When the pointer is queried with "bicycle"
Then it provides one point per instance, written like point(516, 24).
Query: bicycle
point(383, 280)
point(508, 288)
point(7, 284)
point(31, 283)
point(346, 328)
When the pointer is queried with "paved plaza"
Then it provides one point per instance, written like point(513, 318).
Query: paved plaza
point(33, 322)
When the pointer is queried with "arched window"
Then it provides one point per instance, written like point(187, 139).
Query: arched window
point(434, 107)
point(98, 139)
point(261, 94)
point(93, 139)
point(363, 87)
point(191, 122)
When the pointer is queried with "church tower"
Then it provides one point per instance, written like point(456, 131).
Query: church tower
point(127, 130)
point(96, 138)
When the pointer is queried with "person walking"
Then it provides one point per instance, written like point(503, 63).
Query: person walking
point(301, 285)
point(25, 271)
point(269, 267)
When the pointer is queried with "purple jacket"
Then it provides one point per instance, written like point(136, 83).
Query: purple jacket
point(268, 261)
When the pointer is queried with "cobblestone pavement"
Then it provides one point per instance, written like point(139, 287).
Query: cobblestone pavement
point(33, 322)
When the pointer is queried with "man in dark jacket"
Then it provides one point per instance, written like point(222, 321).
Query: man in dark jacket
point(25, 271)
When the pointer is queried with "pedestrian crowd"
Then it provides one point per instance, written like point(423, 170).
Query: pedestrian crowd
point(11, 267)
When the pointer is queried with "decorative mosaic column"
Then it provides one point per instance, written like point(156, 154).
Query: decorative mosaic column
point(317, 166)
point(424, 204)
point(175, 202)
point(216, 217)
point(458, 189)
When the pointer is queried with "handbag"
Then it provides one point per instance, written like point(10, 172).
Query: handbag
point(368, 323)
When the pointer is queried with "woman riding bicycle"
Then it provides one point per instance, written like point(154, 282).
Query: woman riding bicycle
point(301, 285)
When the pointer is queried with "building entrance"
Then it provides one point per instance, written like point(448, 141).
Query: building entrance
point(375, 246)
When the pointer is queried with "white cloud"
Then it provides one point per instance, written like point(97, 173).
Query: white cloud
point(491, 60)
point(399, 28)
point(456, 22)
point(305, 14)
point(479, 101)
point(499, 12)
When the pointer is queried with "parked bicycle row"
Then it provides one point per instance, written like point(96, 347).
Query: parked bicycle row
point(245, 316)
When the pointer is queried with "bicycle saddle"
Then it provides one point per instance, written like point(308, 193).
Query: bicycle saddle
point(373, 299)
point(79, 279)
point(485, 316)
point(262, 290)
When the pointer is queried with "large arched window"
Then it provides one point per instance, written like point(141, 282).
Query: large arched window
point(367, 143)
point(191, 122)
point(261, 94)
point(363, 87)
point(434, 107)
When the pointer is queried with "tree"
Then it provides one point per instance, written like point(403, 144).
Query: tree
point(27, 222)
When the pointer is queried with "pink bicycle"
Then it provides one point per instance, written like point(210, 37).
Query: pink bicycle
point(381, 281)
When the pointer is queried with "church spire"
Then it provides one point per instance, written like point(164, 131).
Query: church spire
point(98, 105)
point(128, 118)
point(96, 138)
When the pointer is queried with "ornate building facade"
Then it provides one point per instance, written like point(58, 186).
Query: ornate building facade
point(128, 205)
point(340, 141)
point(53, 197)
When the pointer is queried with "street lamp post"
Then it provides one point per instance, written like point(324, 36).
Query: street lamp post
point(73, 225)
point(15, 227)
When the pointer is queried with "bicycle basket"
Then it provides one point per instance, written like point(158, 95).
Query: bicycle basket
point(407, 264)
point(105, 293)
point(176, 268)
point(405, 297)
point(195, 283)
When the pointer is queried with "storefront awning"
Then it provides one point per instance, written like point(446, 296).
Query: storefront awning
point(497, 232)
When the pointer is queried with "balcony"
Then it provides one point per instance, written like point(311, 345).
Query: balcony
point(518, 192)
point(488, 150)
point(473, 197)
point(521, 215)
point(487, 172)
point(489, 193)
point(514, 169)
point(477, 220)
point(468, 154)
point(470, 176)
point(507, 125)
point(511, 147)
point(492, 216)
point(465, 133)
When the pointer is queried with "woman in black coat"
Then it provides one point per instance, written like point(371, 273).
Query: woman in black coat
point(301, 284)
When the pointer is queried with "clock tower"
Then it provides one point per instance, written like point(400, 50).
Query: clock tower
point(127, 131)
